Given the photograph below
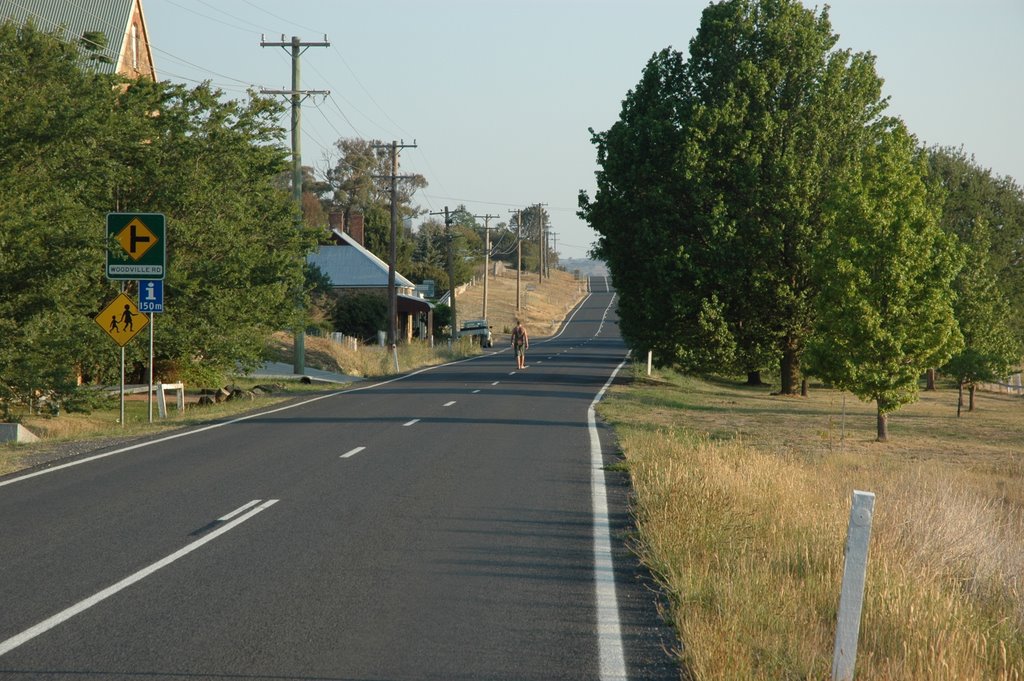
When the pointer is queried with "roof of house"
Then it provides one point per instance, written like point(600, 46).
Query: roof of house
point(110, 17)
point(353, 266)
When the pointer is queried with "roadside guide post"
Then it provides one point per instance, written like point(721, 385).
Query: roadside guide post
point(136, 249)
point(851, 598)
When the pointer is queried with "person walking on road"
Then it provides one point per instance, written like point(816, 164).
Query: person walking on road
point(520, 344)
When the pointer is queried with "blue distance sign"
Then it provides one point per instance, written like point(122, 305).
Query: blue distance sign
point(151, 296)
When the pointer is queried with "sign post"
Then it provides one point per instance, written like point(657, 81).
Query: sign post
point(136, 249)
point(151, 300)
point(122, 321)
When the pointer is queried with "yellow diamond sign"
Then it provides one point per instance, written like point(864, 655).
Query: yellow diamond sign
point(136, 239)
point(121, 319)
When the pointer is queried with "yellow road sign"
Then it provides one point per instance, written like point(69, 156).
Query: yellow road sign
point(136, 239)
point(121, 319)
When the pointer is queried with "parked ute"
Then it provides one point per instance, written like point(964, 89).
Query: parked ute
point(480, 329)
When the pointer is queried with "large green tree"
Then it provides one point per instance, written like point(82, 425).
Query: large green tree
point(714, 179)
point(885, 309)
point(78, 145)
point(54, 118)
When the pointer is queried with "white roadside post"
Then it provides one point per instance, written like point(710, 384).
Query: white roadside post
point(650, 358)
point(851, 599)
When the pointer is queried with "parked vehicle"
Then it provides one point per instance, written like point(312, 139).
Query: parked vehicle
point(478, 328)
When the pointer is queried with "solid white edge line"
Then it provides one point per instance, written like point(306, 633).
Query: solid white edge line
point(612, 661)
point(66, 614)
point(240, 509)
point(352, 452)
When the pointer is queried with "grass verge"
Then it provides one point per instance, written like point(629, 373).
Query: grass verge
point(742, 500)
point(104, 422)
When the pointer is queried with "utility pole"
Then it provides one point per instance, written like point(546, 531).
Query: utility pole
point(393, 249)
point(553, 235)
point(541, 243)
point(297, 95)
point(451, 268)
point(519, 255)
point(487, 255)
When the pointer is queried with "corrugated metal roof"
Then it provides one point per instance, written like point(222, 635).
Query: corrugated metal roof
point(76, 18)
point(353, 266)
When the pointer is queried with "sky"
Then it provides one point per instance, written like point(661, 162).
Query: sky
point(498, 95)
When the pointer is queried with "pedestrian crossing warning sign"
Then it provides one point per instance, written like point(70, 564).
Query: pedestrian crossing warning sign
point(121, 319)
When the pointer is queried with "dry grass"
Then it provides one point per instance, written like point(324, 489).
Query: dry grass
point(366, 361)
point(103, 422)
point(543, 305)
point(742, 501)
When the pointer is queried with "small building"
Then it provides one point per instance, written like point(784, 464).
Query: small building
point(353, 268)
point(115, 30)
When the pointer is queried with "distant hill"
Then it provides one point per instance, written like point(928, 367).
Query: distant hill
point(587, 268)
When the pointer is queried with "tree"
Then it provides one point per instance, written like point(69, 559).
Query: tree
point(640, 213)
point(713, 181)
point(885, 309)
point(235, 259)
point(51, 179)
point(971, 195)
point(361, 314)
point(991, 348)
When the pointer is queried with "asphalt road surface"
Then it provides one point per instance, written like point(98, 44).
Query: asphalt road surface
point(449, 524)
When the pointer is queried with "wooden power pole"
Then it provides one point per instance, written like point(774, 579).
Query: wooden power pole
point(297, 95)
point(393, 247)
point(487, 255)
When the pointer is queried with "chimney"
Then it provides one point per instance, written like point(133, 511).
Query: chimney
point(354, 227)
point(336, 220)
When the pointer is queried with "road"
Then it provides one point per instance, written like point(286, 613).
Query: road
point(448, 524)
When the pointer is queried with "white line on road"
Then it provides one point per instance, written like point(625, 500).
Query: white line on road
point(409, 423)
point(352, 452)
point(245, 507)
point(64, 615)
point(448, 404)
point(476, 391)
point(496, 383)
point(612, 661)
point(511, 373)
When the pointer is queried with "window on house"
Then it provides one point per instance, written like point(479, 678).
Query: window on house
point(135, 47)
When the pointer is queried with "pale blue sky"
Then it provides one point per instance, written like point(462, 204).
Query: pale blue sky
point(499, 94)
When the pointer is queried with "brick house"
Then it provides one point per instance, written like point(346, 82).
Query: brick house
point(121, 24)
